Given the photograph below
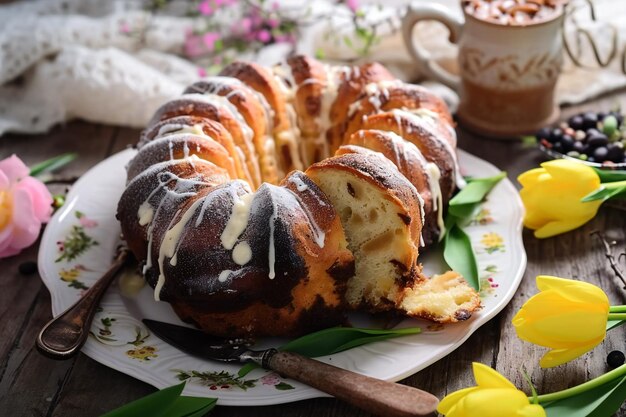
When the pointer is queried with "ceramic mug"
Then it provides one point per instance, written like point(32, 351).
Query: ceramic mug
point(508, 73)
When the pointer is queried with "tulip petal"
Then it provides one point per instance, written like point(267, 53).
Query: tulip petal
point(487, 377)
point(450, 400)
point(531, 410)
point(564, 170)
point(576, 291)
point(557, 227)
point(557, 357)
point(493, 402)
point(530, 177)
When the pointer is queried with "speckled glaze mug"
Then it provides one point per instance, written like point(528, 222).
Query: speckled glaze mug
point(508, 72)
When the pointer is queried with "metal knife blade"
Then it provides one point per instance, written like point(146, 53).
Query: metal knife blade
point(197, 343)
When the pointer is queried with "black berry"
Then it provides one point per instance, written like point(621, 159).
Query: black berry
point(579, 147)
point(615, 359)
point(615, 152)
point(543, 133)
point(558, 147)
point(600, 154)
point(576, 122)
point(555, 135)
point(568, 143)
point(597, 139)
point(590, 120)
point(27, 268)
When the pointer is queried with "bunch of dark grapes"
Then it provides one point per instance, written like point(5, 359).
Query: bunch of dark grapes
point(594, 137)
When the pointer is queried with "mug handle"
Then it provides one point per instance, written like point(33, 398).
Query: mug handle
point(431, 11)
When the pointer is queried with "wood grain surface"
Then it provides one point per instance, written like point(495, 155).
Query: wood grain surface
point(32, 385)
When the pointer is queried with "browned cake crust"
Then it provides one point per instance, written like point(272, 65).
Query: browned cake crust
point(240, 256)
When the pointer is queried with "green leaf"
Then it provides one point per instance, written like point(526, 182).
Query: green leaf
point(607, 191)
point(610, 175)
point(334, 340)
point(611, 324)
point(151, 405)
point(473, 193)
point(459, 255)
point(337, 339)
point(191, 406)
point(602, 401)
point(52, 164)
point(166, 403)
point(283, 386)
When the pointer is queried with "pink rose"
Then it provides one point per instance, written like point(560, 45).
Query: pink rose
point(25, 203)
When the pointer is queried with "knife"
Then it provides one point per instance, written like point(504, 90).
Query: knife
point(373, 395)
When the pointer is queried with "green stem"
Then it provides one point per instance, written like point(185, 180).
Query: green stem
point(617, 316)
point(617, 309)
point(579, 389)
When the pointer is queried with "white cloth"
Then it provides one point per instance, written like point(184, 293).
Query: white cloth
point(66, 59)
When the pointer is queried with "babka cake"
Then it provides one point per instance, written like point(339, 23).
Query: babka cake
point(271, 201)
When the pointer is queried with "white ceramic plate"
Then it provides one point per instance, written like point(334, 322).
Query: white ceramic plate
point(80, 241)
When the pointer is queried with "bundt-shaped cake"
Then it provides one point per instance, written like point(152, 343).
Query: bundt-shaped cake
point(241, 242)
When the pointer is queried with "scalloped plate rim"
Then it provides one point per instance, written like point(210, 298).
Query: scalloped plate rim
point(95, 351)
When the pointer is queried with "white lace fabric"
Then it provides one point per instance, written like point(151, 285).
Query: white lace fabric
point(112, 62)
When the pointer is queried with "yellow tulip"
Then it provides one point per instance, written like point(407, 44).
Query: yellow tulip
point(495, 396)
point(567, 316)
point(551, 195)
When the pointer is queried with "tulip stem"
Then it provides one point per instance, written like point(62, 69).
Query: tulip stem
point(579, 389)
point(617, 309)
point(617, 316)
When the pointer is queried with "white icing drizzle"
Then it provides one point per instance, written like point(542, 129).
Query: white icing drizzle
point(145, 213)
point(182, 188)
point(242, 253)
point(237, 221)
point(222, 102)
point(179, 129)
point(300, 185)
point(435, 190)
point(170, 244)
point(224, 275)
point(272, 248)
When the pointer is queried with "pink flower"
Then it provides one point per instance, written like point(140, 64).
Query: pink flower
point(87, 222)
point(124, 27)
point(273, 23)
point(263, 36)
point(270, 379)
point(193, 46)
point(201, 72)
point(205, 8)
point(25, 203)
point(209, 39)
point(353, 5)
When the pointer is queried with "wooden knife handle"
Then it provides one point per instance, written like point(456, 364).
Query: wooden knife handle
point(370, 394)
point(65, 334)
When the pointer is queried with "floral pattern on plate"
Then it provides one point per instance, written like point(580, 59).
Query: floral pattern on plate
point(81, 240)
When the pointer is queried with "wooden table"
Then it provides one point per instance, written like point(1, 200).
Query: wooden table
point(32, 385)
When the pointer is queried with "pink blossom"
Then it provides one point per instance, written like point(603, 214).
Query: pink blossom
point(273, 23)
point(275, 6)
point(245, 24)
point(263, 36)
point(270, 379)
point(205, 8)
point(25, 203)
point(124, 27)
point(87, 222)
point(193, 46)
point(352, 5)
point(201, 72)
point(209, 39)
